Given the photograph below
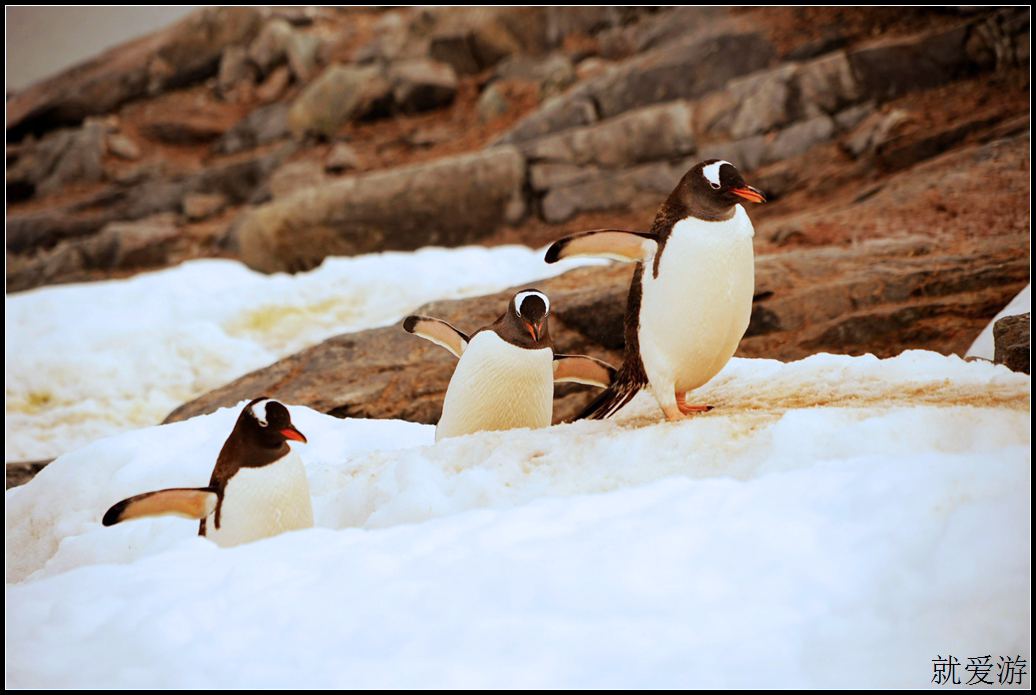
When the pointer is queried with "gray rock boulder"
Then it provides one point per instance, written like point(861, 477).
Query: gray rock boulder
point(663, 131)
point(447, 202)
point(262, 126)
point(638, 186)
point(681, 69)
point(890, 68)
point(340, 94)
point(270, 47)
point(67, 155)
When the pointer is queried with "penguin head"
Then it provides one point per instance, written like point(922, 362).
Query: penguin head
point(526, 319)
point(712, 188)
point(266, 422)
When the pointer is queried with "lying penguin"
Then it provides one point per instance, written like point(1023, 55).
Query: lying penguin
point(506, 374)
point(257, 489)
point(691, 295)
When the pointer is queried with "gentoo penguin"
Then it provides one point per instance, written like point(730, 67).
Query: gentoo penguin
point(506, 374)
point(691, 295)
point(257, 489)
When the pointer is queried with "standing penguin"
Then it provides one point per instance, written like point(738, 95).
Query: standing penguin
point(257, 489)
point(506, 374)
point(691, 295)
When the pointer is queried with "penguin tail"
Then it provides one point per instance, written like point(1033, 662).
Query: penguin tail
point(609, 401)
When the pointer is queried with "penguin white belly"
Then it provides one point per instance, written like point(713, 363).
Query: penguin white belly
point(694, 314)
point(498, 386)
point(263, 502)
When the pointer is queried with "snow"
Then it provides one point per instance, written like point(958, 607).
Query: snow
point(833, 522)
point(87, 361)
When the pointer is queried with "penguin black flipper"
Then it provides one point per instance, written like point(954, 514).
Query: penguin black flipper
point(581, 369)
point(438, 332)
point(616, 244)
point(191, 503)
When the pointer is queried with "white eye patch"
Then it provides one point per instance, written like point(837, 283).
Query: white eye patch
point(711, 172)
point(258, 410)
point(521, 297)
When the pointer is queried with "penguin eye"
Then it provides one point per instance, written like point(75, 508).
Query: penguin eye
point(714, 185)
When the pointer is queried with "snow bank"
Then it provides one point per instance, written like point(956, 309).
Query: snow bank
point(836, 521)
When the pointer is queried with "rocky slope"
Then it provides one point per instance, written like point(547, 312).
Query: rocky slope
point(892, 142)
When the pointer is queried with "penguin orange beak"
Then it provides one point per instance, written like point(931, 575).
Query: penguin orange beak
point(535, 330)
point(750, 194)
point(292, 433)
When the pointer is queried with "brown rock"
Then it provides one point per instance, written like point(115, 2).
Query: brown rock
point(302, 55)
point(200, 206)
point(422, 85)
point(234, 68)
point(884, 297)
point(890, 68)
point(122, 147)
point(193, 128)
point(491, 104)
point(881, 297)
point(119, 246)
point(477, 41)
point(238, 180)
point(900, 152)
point(456, 51)
point(195, 44)
point(29, 233)
point(591, 67)
point(262, 126)
point(341, 157)
point(555, 75)
point(125, 245)
point(274, 86)
point(1011, 340)
point(391, 41)
point(68, 155)
point(295, 176)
